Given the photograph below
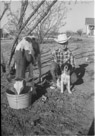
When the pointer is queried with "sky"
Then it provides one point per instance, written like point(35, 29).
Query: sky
point(75, 17)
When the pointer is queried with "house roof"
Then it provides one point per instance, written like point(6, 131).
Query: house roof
point(90, 21)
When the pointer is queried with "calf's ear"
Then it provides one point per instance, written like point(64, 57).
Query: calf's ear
point(24, 83)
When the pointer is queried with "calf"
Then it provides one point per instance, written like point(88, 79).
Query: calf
point(27, 53)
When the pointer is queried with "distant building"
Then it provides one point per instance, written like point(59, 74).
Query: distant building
point(90, 26)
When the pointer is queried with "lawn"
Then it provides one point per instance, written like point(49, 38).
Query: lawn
point(61, 114)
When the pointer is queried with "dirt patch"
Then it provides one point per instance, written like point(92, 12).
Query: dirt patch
point(60, 114)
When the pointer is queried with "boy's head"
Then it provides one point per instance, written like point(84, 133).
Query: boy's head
point(62, 39)
point(64, 45)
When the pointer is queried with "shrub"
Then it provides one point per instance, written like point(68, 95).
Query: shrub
point(79, 32)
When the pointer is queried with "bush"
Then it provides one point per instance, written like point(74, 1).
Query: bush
point(79, 32)
point(69, 33)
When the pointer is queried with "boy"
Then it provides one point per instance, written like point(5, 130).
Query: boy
point(60, 56)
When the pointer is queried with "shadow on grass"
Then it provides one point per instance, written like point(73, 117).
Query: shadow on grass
point(84, 54)
point(91, 129)
point(42, 88)
point(78, 73)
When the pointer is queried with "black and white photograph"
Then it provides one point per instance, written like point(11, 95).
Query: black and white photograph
point(47, 67)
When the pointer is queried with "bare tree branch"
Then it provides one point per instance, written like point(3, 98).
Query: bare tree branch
point(51, 22)
point(13, 15)
point(42, 17)
point(14, 44)
point(23, 9)
point(4, 11)
point(16, 21)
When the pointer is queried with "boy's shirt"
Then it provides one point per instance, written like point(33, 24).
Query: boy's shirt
point(60, 56)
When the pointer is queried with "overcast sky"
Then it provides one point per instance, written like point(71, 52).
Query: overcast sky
point(75, 17)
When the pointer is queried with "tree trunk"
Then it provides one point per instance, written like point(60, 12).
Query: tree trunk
point(14, 44)
point(3, 13)
point(22, 13)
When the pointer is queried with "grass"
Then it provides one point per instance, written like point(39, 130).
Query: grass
point(60, 114)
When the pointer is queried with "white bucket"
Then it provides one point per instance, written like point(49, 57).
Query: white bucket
point(19, 101)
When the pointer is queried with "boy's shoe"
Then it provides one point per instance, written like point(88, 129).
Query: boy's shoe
point(44, 98)
point(53, 86)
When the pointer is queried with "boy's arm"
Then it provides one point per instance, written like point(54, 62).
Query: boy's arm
point(62, 86)
point(53, 54)
point(72, 60)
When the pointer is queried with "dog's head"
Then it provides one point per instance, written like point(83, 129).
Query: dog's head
point(66, 67)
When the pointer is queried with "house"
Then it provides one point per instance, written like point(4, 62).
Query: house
point(90, 26)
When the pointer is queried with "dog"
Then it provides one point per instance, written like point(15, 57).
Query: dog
point(64, 80)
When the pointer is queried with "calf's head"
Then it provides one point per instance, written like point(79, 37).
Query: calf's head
point(19, 86)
